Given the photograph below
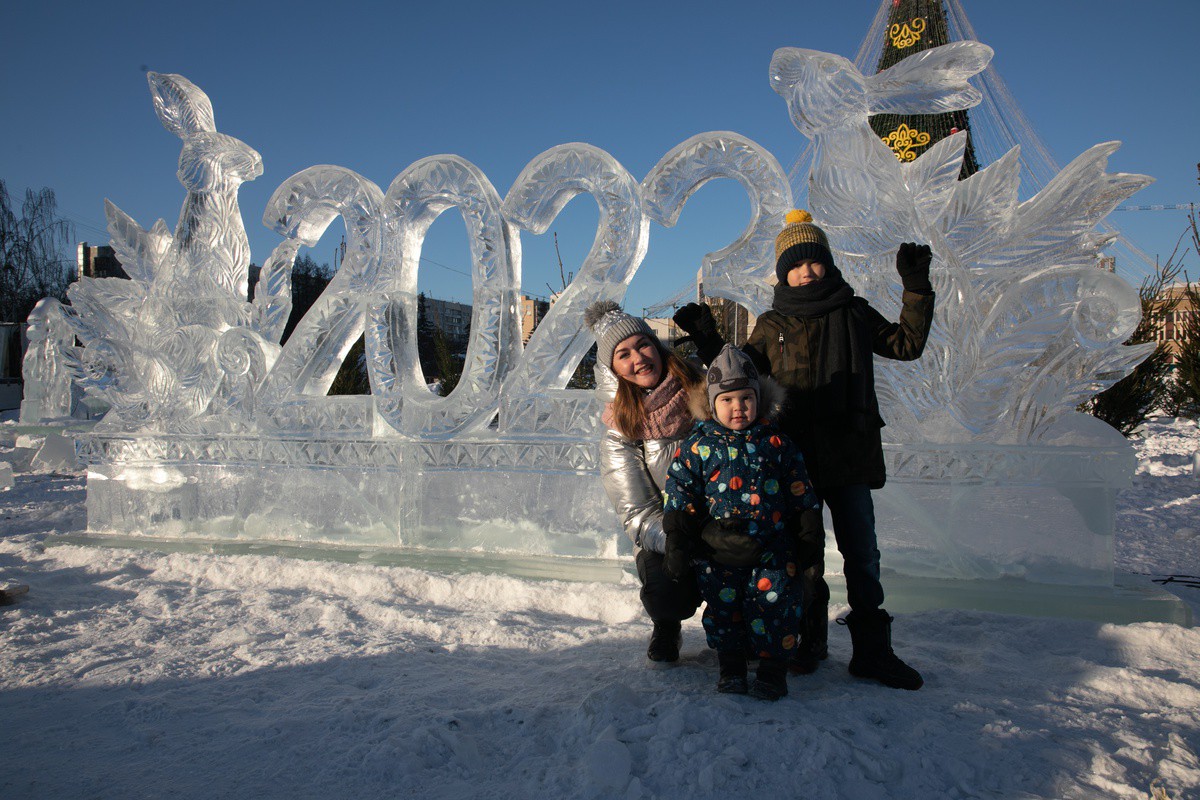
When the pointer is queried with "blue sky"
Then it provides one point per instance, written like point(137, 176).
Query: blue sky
point(376, 86)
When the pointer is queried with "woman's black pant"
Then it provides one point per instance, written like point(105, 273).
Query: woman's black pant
point(665, 600)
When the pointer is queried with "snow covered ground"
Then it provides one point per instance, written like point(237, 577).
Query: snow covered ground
point(131, 673)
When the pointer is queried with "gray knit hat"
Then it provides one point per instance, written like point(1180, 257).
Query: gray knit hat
point(611, 326)
point(731, 370)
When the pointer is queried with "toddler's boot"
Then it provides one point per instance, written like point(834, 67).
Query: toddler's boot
point(871, 634)
point(733, 672)
point(770, 680)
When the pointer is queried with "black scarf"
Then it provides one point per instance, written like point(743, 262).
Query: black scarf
point(842, 354)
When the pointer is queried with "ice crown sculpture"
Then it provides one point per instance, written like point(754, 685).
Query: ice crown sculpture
point(1026, 325)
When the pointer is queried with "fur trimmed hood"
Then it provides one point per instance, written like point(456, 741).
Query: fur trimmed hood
point(771, 397)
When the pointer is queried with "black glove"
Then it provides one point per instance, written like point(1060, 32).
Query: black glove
point(677, 562)
point(696, 320)
point(808, 531)
point(912, 262)
point(730, 543)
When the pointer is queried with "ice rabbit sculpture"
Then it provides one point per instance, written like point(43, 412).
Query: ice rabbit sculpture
point(235, 438)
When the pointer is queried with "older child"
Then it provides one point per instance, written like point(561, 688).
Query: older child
point(818, 340)
point(739, 471)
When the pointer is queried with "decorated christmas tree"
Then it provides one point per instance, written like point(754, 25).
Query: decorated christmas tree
point(913, 26)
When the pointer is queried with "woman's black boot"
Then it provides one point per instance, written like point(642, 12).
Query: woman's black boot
point(665, 641)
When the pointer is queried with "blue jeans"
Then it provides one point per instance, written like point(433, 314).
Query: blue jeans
point(853, 514)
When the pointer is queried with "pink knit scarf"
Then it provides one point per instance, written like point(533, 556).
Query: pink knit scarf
point(666, 412)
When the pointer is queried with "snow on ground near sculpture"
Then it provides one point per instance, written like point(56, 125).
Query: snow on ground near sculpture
point(130, 673)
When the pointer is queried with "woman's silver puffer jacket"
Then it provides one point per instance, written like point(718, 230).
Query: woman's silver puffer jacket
point(634, 474)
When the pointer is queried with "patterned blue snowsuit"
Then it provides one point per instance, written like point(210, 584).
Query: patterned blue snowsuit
point(756, 476)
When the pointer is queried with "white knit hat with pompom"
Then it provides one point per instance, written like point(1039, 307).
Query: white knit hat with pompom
point(611, 326)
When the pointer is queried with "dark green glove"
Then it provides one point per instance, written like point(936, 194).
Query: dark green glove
point(697, 321)
point(912, 262)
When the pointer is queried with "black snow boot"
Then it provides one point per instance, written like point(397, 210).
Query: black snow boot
point(871, 634)
point(733, 672)
point(814, 635)
point(770, 680)
point(665, 642)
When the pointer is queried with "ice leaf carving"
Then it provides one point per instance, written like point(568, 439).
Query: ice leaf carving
point(981, 208)
point(140, 252)
point(1055, 220)
point(273, 293)
point(933, 176)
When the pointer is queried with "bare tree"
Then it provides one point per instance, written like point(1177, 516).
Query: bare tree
point(584, 376)
point(34, 260)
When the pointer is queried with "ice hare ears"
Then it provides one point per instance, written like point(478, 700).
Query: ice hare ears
point(930, 82)
point(181, 106)
point(824, 90)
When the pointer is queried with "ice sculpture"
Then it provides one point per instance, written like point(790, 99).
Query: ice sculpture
point(1027, 326)
point(218, 432)
point(47, 392)
point(983, 426)
point(150, 343)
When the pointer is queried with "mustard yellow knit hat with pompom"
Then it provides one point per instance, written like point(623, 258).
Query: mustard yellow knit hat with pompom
point(800, 239)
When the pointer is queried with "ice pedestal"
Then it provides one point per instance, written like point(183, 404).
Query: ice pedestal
point(1025, 530)
point(1045, 514)
point(952, 511)
point(484, 494)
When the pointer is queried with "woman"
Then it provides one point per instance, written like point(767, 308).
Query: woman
point(646, 419)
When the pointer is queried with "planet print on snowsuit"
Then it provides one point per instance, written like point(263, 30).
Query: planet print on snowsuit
point(756, 480)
